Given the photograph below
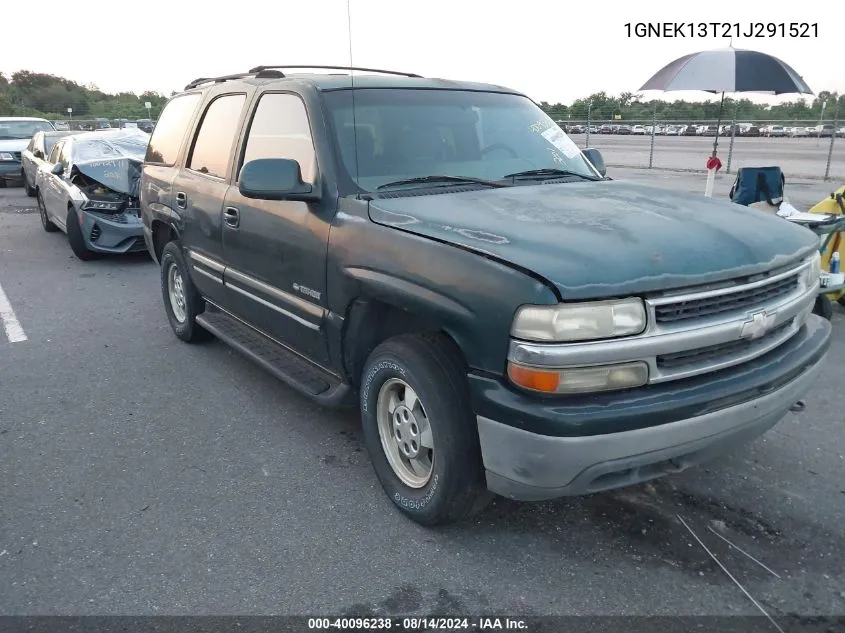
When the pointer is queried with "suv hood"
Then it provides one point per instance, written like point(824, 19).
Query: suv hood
point(603, 239)
point(13, 144)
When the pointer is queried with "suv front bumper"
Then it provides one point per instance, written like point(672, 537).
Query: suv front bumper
point(535, 448)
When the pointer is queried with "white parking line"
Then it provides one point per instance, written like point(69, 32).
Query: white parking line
point(14, 331)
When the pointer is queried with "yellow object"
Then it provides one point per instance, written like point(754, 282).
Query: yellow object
point(833, 203)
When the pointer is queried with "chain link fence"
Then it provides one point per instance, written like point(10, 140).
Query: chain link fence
point(813, 149)
point(801, 148)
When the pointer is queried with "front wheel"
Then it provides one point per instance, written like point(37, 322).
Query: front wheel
point(420, 431)
point(823, 307)
point(76, 239)
point(182, 302)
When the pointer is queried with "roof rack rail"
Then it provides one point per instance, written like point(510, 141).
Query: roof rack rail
point(259, 69)
point(205, 80)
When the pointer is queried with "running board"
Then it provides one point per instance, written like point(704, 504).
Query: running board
point(293, 370)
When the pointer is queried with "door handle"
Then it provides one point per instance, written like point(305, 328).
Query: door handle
point(181, 200)
point(231, 217)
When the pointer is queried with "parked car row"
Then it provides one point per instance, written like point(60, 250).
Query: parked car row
point(85, 182)
point(145, 125)
point(742, 129)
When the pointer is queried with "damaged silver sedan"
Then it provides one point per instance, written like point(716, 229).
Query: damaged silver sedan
point(88, 188)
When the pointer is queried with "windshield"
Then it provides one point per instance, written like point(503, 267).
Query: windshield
point(16, 129)
point(408, 133)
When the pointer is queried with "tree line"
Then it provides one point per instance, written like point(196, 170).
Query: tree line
point(27, 93)
point(630, 106)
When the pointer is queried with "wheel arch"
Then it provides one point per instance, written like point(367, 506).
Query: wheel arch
point(370, 321)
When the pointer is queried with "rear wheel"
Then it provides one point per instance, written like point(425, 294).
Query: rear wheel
point(420, 431)
point(30, 191)
point(76, 239)
point(42, 211)
point(182, 302)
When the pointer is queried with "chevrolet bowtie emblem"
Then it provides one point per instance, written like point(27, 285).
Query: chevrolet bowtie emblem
point(757, 325)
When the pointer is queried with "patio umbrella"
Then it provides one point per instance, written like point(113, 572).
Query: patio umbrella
point(728, 70)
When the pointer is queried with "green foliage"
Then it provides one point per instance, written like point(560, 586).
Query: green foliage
point(36, 94)
point(631, 107)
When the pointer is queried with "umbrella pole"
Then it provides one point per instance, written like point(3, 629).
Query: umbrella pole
point(718, 124)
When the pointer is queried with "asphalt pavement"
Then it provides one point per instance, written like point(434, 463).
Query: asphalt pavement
point(800, 158)
point(141, 475)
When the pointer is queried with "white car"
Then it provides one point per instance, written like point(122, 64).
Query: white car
point(799, 132)
point(638, 129)
point(35, 156)
point(15, 134)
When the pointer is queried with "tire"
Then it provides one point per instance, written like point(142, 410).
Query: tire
point(430, 365)
point(841, 300)
point(823, 307)
point(30, 191)
point(46, 224)
point(75, 238)
point(182, 319)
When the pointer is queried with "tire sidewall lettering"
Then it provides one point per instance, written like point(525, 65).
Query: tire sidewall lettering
point(387, 366)
point(418, 504)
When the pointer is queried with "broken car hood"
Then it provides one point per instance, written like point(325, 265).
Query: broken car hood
point(113, 158)
point(607, 238)
point(118, 174)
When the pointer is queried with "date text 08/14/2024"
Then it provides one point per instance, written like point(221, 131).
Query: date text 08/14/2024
point(417, 623)
point(722, 29)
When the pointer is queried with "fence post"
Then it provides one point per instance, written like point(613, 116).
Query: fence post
point(653, 126)
point(832, 139)
point(589, 108)
point(733, 134)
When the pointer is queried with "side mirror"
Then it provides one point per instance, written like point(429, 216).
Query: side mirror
point(275, 179)
point(58, 169)
point(594, 156)
point(38, 154)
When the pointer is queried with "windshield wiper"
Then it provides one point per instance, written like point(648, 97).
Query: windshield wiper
point(542, 174)
point(442, 179)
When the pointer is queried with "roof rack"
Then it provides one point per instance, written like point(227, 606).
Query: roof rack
point(274, 72)
point(206, 80)
point(259, 69)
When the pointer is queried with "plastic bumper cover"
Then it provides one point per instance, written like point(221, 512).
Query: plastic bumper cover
point(525, 465)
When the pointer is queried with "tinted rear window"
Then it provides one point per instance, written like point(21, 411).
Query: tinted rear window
point(171, 129)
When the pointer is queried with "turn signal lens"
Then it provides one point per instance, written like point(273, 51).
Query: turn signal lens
point(534, 379)
point(577, 380)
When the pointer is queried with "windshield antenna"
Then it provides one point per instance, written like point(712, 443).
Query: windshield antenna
point(352, 84)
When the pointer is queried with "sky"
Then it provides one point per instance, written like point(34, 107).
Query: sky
point(552, 51)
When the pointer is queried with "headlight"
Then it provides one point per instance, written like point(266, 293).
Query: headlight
point(102, 205)
point(813, 271)
point(580, 321)
point(6, 156)
point(574, 380)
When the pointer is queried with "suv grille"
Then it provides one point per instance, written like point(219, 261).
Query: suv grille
point(716, 353)
point(743, 299)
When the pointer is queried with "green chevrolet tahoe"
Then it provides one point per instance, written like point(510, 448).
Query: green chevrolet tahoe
point(508, 319)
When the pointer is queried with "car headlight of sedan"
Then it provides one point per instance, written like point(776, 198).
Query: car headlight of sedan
point(580, 321)
point(109, 206)
point(6, 156)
